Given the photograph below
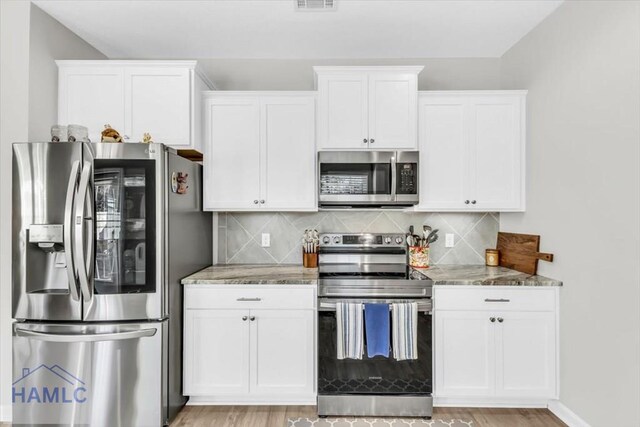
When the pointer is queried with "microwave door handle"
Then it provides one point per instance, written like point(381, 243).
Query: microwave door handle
point(394, 162)
point(68, 231)
point(84, 255)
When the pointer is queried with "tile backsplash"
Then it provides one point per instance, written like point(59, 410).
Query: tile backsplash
point(239, 234)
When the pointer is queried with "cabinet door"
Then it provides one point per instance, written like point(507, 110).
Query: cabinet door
point(393, 111)
point(216, 352)
point(496, 152)
point(465, 354)
point(526, 354)
point(288, 179)
point(444, 169)
point(282, 352)
point(232, 154)
point(158, 101)
point(343, 111)
point(91, 97)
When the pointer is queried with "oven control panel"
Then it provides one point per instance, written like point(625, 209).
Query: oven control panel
point(362, 239)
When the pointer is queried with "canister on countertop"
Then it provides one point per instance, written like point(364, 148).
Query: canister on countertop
point(492, 257)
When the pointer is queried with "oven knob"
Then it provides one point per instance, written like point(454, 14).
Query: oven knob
point(336, 239)
point(326, 240)
point(399, 240)
point(387, 240)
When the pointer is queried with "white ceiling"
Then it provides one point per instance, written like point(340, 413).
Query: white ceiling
point(273, 29)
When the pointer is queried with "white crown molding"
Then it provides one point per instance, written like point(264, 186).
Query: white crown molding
point(412, 69)
point(426, 93)
point(251, 93)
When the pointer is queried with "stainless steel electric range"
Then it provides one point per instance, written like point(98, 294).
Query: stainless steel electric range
point(371, 268)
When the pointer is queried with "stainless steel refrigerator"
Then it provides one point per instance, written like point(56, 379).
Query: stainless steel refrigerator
point(102, 235)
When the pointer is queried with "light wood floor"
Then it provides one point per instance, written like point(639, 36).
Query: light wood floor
point(276, 416)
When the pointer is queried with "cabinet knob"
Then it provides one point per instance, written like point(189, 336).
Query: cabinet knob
point(365, 140)
point(500, 319)
point(466, 202)
point(244, 318)
point(492, 319)
point(473, 202)
point(372, 140)
point(125, 136)
point(252, 318)
point(255, 202)
point(262, 202)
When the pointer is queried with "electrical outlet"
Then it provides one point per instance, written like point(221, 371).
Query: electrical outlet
point(266, 240)
point(449, 240)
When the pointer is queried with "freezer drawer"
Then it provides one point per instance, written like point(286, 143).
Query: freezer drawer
point(89, 375)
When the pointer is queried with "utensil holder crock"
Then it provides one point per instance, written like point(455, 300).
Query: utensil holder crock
point(419, 256)
point(309, 259)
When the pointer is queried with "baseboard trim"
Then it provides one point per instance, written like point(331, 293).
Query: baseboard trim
point(484, 402)
point(567, 416)
point(5, 413)
point(253, 400)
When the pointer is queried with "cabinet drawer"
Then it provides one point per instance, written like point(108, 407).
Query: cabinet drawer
point(495, 298)
point(250, 297)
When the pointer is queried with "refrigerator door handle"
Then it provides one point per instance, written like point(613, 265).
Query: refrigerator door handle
point(84, 256)
point(68, 228)
point(116, 336)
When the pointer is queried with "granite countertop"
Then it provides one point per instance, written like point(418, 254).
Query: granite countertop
point(253, 274)
point(481, 275)
point(267, 274)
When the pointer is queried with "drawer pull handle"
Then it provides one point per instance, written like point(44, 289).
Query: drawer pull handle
point(496, 300)
point(249, 299)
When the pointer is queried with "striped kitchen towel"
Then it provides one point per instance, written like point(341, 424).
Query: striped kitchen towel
point(404, 330)
point(349, 334)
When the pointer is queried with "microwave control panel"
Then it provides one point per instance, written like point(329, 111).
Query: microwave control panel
point(407, 179)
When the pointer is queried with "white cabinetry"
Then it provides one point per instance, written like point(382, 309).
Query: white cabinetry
point(134, 97)
point(495, 347)
point(472, 150)
point(260, 151)
point(253, 345)
point(371, 108)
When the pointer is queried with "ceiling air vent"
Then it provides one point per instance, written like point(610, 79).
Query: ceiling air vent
point(315, 4)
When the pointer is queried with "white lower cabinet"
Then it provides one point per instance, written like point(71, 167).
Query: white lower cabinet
point(495, 347)
point(255, 348)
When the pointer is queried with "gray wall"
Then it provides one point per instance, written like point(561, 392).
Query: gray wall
point(30, 41)
point(582, 69)
point(297, 74)
point(14, 123)
point(239, 234)
point(49, 40)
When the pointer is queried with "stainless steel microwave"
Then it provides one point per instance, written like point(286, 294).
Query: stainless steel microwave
point(367, 178)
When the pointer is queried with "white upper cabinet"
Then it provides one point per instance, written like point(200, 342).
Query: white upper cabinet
point(158, 101)
point(472, 151)
point(367, 108)
point(260, 151)
point(343, 111)
point(232, 153)
point(161, 98)
point(91, 96)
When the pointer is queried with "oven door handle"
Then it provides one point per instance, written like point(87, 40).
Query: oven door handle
point(330, 305)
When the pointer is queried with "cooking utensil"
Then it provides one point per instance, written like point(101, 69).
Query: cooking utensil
point(426, 229)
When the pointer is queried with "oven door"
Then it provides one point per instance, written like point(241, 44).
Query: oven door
point(356, 177)
point(378, 375)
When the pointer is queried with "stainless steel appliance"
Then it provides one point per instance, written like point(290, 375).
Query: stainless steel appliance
point(367, 178)
point(101, 239)
point(371, 268)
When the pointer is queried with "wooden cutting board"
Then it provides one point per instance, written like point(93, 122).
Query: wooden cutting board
point(521, 252)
